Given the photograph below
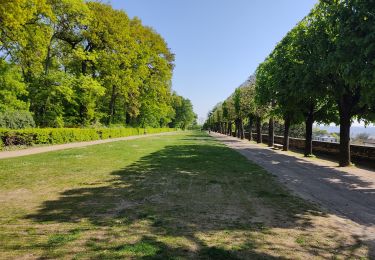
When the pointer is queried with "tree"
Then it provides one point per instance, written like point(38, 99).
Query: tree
point(248, 105)
point(83, 108)
point(229, 114)
point(83, 61)
point(307, 86)
point(184, 115)
point(13, 91)
point(237, 97)
point(16, 17)
point(272, 89)
point(50, 95)
point(349, 64)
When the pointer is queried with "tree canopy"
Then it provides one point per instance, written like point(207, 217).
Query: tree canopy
point(321, 71)
point(76, 63)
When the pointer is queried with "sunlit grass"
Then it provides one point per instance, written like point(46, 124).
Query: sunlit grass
point(170, 197)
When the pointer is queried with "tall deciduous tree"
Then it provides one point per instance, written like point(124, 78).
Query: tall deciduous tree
point(348, 63)
point(83, 61)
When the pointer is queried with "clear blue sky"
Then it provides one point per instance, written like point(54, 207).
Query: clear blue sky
point(218, 43)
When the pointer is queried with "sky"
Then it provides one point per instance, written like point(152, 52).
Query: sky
point(218, 43)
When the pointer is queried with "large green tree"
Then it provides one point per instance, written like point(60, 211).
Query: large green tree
point(184, 115)
point(349, 60)
point(83, 62)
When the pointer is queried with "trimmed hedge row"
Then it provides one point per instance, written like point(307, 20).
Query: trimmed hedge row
point(32, 136)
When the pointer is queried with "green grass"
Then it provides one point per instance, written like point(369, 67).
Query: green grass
point(182, 196)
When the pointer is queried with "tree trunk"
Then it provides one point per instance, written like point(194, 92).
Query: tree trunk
point(259, 130)
point(127, 118)
point(236, 128)
point(84, 67)
point(286, 133)
point(239, 128)
point(250, 128)
point(112, 105)
point(345, 123)
point(271, 132)
point(242, 130)
point(308, 137)
point(47, 61)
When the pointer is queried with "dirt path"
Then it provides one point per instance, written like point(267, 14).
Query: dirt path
point(50, 148)
point(346, 192)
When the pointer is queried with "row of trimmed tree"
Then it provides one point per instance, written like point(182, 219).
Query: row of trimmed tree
point(323, 71)
point(76, 63)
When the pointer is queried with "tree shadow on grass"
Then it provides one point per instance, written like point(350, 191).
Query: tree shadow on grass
point(183, 191)
point(178, 180)
point(150, 248)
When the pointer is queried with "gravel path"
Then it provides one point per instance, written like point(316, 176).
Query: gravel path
point(50, 148)
point(346, 192)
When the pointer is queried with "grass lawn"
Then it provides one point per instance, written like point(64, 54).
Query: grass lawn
point(167, 197)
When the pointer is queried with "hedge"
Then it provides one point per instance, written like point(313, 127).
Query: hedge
point(33, 136)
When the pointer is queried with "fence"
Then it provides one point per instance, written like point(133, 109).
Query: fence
point(361, 152)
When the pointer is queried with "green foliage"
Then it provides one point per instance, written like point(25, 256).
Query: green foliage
point(36, 136)
point(13, 92)
point(295, 131)
point(16, 119)
point(321, 71)
point(228, 109)
point(240, 105)
point(80, 63)
point(184, 115)
point(82, 110)
point(49, 94)
point(317, 131)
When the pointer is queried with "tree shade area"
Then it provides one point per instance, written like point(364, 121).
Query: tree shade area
point(75, 63)
point(322, 71)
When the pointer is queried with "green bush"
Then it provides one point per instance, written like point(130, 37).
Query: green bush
point(16, 119)
point(33, 136)
point(41, 136)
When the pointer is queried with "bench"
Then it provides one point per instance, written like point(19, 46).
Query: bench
point(278, 146)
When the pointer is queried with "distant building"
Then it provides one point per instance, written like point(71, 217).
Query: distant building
point(325, 138)
point(369, 142)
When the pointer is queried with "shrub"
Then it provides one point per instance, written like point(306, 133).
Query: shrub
point(16, 119)
point(33, 136)
point(41, 136)
point(16, 137)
